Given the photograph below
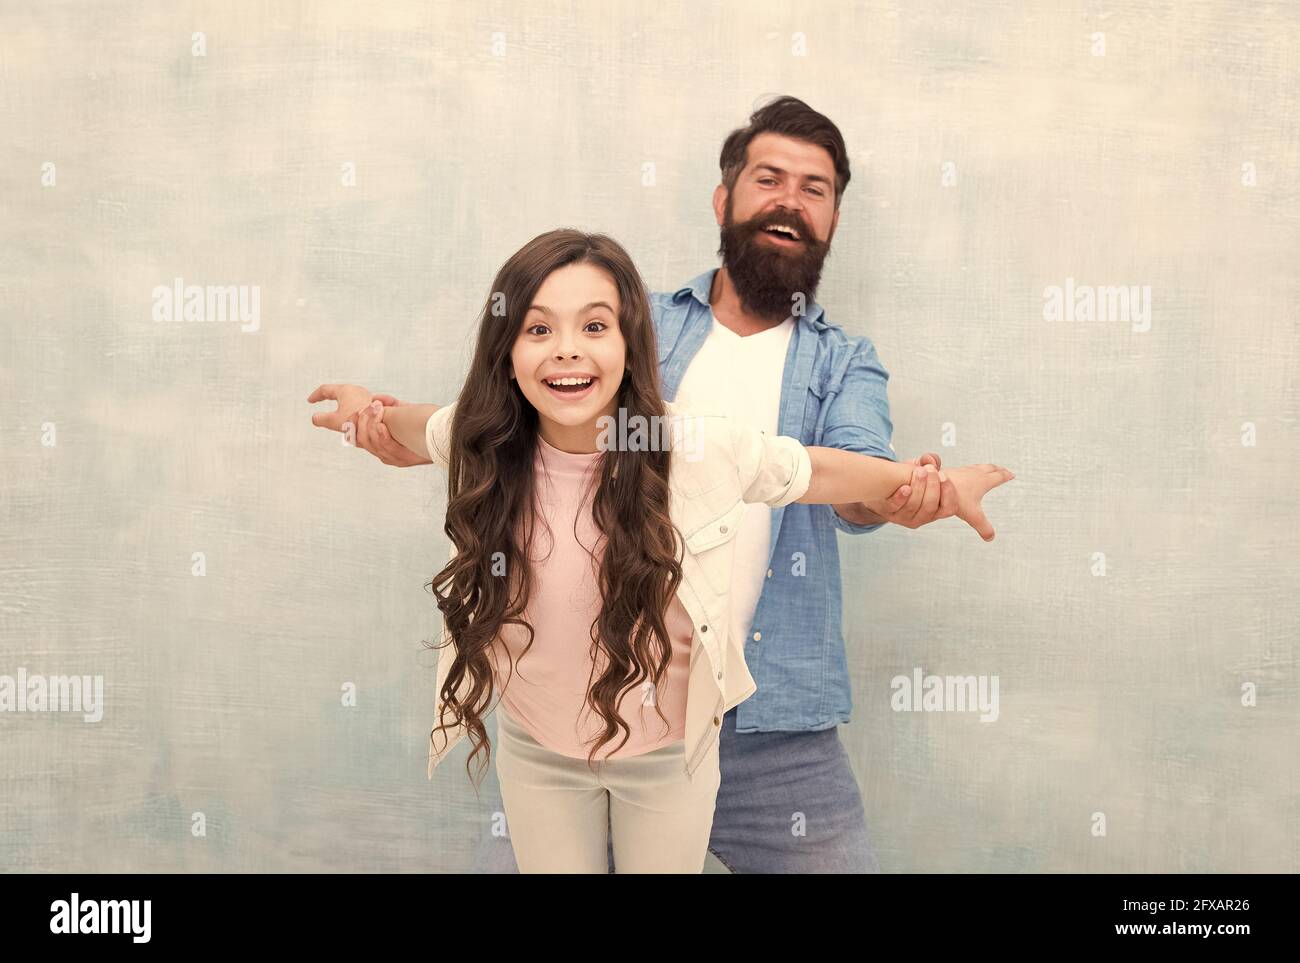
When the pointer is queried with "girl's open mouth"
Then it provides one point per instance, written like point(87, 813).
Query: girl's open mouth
point(572, 392)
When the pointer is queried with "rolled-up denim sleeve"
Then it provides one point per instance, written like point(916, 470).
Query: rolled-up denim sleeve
point(774, 469)
point(858, 419)
point(437, 435)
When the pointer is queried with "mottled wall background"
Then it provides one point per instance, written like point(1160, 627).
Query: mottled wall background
point(1144, 143)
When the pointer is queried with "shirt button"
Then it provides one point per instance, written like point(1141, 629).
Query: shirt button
point(723, 529)
point(704, 628)
point(769, 573)
point(719, 675)
point(716, 722)
point(757, 636)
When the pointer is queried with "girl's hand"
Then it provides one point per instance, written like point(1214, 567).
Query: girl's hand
point(349, 398)
point(972, 482)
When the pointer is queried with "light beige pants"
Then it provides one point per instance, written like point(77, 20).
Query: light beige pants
point(559, 812)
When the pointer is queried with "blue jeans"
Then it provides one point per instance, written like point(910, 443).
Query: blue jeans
point(788, 803)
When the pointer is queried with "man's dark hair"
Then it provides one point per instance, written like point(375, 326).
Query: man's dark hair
point(790, 117)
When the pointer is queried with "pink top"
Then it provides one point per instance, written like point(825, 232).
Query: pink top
point(545, 689)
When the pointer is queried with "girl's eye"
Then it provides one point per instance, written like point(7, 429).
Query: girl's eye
point(532, 328)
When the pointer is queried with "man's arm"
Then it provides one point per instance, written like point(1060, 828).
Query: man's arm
point(857, 513)
point(858, 420)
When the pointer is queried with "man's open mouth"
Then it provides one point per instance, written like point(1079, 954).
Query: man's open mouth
point(783, 234)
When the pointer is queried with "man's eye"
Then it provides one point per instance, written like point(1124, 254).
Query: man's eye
point(815, 192)
point(767, 180)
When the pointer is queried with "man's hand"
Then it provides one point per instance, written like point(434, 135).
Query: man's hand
point(375, 438)
point(923, 500)
point(367, 430)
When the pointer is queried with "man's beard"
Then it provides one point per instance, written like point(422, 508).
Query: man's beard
point(766, 277)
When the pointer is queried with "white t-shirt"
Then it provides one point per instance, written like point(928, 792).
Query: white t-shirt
point(741, 377)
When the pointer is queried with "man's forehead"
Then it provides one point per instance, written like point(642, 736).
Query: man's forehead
point(790, 155)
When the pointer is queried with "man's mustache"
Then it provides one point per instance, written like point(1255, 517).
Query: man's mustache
point(748, 230)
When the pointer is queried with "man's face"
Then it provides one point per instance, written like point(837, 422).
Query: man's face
point(786, 184)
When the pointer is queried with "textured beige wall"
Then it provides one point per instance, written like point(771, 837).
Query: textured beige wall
point(1119, 694)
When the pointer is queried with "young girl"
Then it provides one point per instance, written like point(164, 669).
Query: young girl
point(592, 528)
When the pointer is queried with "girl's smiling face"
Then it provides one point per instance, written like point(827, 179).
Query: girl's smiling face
point(571, 333)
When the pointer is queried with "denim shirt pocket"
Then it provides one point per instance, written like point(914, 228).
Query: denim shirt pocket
point(820, 394)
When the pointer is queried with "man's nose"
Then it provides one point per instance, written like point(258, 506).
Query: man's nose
point(792, 198)
point(792, 208)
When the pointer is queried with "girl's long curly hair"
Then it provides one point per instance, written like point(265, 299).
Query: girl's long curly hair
point(491, 508)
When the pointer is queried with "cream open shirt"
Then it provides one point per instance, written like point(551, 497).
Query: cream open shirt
point(718, 466)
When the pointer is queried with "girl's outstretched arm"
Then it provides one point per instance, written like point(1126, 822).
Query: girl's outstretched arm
point(361, 414)
point(840, 476)
point(845, 476)
point(405, 423)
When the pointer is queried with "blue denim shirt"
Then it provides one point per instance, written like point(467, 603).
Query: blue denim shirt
point(833, 395)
